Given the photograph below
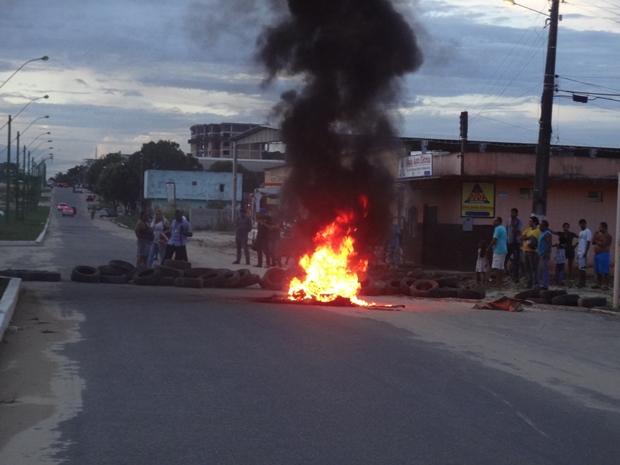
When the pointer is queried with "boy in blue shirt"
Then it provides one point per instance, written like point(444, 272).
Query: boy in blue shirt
point(499, 246)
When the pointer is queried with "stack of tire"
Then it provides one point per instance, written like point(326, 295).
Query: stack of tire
point(181, 274)
point(561, 297)
point(115, 272)
point(416, 286)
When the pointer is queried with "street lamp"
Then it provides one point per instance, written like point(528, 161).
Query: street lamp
point(35, 139)
point(34, 121)
point(23, 108)
point(43, 58)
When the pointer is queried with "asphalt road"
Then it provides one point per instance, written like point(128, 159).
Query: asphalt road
point(176, 376)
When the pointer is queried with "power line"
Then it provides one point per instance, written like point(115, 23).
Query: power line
point(587, 83)
point(583, 92)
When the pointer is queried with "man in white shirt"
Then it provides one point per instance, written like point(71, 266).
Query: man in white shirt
point(583, 247)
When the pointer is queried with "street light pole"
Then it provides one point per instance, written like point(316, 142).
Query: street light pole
point(8, 172)
point(541, 178)
point(43, 58)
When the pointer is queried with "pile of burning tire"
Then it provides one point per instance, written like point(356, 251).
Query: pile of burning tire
point(171, 273)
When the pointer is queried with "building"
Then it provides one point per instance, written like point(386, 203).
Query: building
point(192, 189)
point(447, 202)
point(249, 141)
point(215, 140)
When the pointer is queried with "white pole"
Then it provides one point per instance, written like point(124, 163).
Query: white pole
point(617, 250)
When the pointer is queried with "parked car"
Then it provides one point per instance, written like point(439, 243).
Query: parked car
point(68, 211)
point(62, 205)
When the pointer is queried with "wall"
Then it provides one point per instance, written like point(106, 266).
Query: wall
point(191, 185)
point(453, 248)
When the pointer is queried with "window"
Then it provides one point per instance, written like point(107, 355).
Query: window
point(525, 193)
point(194, 183)
point(221, 187)
point(595, 196)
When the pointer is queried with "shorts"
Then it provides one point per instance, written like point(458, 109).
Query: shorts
point(601, 263)
point(144, 247)
point(499, 261)
point(581, 262)
point(482, 265)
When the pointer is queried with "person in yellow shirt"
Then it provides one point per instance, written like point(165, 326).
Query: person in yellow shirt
point(529, 241)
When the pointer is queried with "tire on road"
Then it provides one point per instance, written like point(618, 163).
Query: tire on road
point(126, 267)
point(214, 278)
point(85, 274)
point(108, 270)
point(568, 300)
point(273, 279)
point(197, 272)
point(422, 287)
point(405, 285)
point(169, 272)
point(195, 283)
point(373, 287)
point(114, 279)
point(148, 277)
point(247, 279)
point(472, 294)
point(591, 302)
point(393, 287)
point(231, 279)
point(450, 282)
point(166, 281)
point(443, 293)
point(178, 264)
point(529, 294)
point(549, 295)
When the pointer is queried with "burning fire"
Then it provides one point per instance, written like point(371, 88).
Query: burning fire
point(333, 268)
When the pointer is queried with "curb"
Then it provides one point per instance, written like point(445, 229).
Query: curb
point(8, 304)
point(41, 236)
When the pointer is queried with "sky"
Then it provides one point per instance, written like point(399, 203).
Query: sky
point(125, 72)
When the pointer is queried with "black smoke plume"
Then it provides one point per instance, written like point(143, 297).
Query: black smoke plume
point(349, 55)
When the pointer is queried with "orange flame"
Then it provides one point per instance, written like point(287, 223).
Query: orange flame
point(333, 268)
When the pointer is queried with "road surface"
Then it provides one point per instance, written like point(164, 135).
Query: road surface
point(104, 374)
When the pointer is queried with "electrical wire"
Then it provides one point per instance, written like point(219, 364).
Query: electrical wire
point(587, 83)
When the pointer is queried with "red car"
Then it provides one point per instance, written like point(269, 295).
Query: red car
point(62, 205)
point(68, 211)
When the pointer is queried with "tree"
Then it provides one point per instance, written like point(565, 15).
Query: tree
point(251, 179)
point(94, 171)
point(163, 155)
point(118, 183)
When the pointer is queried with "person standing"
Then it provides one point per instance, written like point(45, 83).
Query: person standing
point(499, 246)
point(529, 241)
point(160, 227)
point(583, 247)
point(180, 230)
point(144, 234)
point(261, 244)
point(566, 241)
point(482, 264)
point(602, 246)
point(242, 229)
point(514, 229)
point(543, 250)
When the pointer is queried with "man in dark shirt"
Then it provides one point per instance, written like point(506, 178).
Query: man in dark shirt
point(242, 229)
point(566, 241)
point(514, 228)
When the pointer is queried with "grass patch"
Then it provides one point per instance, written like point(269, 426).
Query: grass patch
point(27, 229)
point(127, 221)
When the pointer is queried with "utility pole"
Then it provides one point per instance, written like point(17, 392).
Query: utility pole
point(541, 179)
point(8, 173)
point(17, 179)
point(233, 213)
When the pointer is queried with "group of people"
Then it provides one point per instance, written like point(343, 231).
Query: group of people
point(267, 240)
point(527, 251)
point(160, 239)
